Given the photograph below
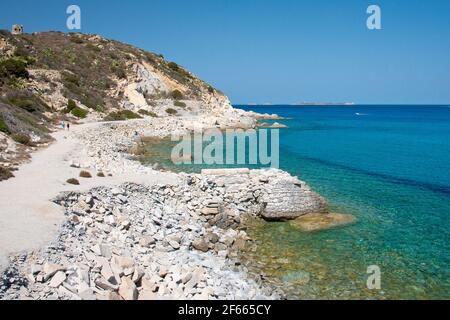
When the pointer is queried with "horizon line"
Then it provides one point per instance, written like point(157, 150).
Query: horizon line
point(339, 104)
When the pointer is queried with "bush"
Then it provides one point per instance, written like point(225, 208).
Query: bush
point(76, 39)
point(26, 100)
point(71, 105)
point(180, 104)
point(173, 66)
point(25, 104)
point(85, 174)
point(73, 181)
point(92, 47)
point(176, 94)
point(69, 78)
point(5, 174)
point(118, 69)
point(100, 174)
point(147, 113)
point(93, 102)
point(23, 55)
point(13, 67)
point(130, 114)
point(211, 89)
point(120, 72)
point(21, 138)
point(171, 111)
point(122, 115)
point(79, 113)
point(3, 126)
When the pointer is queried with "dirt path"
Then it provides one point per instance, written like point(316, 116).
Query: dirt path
point(28, 219)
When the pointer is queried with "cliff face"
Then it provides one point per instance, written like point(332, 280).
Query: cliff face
point(51, 76)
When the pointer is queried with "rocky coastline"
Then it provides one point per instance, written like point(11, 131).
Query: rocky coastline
point(145, 241)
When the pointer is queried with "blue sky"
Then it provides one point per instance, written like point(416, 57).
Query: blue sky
point(268, 51)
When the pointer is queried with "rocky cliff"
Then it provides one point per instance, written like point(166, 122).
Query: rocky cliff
point(49, 77)
point(45, 77)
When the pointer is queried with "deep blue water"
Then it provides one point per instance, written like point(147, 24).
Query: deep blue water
point(390, 167)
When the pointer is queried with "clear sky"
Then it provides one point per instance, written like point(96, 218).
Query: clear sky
point(277, 51)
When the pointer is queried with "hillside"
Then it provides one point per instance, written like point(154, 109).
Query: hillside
point(49, 77)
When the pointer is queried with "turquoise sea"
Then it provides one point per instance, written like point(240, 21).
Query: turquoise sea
point(389, 166)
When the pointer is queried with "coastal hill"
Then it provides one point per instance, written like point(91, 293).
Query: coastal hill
point(96, 223)
point(49, 77)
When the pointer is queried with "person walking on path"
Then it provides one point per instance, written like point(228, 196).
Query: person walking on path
point(63, 125)
point(68, 126)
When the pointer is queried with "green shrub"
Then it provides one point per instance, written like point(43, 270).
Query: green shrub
point(70, 55)
point(26, 100)
point(3, 126)
point(73, 181)
point(122, 115)
point(176, 94)
point(92, 47)
point(85, 174)
point(173, 66)
point(79, 113)
point(21, 138)
point(26, 104)
point(93, 101)
point(69, 78)
point(119, 70)
point(5, 174)
point(130, 114)
point(70, 105)
point(23, 55)
point(100, 174)
point(180, 104)
point(210, 89)
point(171, 111)
point(76, 39)
point(147, 113)
point(13, 67)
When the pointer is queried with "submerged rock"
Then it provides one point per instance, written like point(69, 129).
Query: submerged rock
point(318, 222)
point(297, 277)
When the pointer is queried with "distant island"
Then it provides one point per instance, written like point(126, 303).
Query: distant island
point(326, 104)
point(304, 104)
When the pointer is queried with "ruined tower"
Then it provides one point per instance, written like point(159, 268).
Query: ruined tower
point(17, 29)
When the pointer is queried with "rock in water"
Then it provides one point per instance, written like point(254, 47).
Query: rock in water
point(287, 200)
point(316, 222)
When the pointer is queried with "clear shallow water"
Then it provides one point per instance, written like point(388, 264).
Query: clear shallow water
point(389, 167)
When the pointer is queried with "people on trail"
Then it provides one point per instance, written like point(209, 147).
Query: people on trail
point(63, 125)
point(68, 126)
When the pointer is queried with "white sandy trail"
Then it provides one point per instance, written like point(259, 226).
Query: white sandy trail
point(28, 219)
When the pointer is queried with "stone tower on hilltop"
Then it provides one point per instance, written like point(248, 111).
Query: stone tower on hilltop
point(17, 29)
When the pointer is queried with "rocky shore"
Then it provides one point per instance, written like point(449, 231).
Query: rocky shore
point(163, 241)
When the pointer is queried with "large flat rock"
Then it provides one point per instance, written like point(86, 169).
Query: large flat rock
point(322, 221)
point(286, 200)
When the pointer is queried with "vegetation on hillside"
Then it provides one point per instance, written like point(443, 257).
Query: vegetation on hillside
point(90, 68)
point(122, 115)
